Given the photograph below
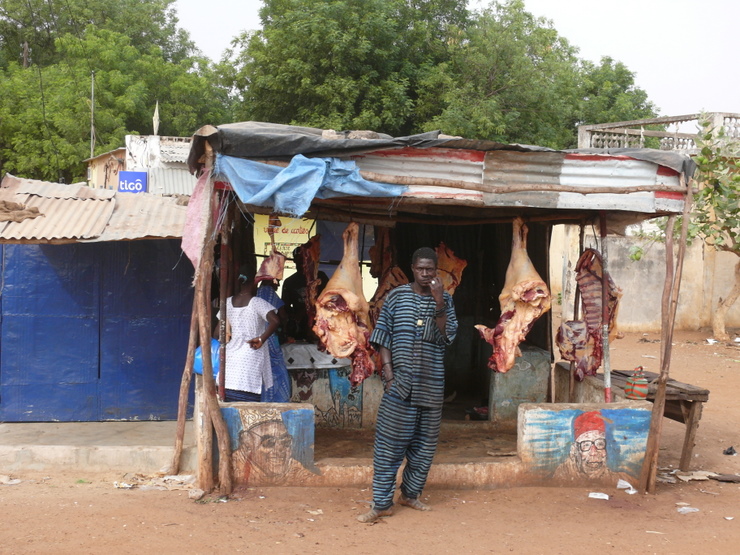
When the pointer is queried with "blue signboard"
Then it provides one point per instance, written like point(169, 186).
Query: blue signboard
point(132, 182)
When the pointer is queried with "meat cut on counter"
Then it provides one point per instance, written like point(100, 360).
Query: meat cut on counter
point(524, 298)
point(580, 341)
point(342, 313)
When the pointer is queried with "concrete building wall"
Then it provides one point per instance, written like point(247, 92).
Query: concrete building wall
point(708, 275)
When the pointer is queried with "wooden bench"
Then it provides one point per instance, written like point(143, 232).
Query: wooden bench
point(684, 402)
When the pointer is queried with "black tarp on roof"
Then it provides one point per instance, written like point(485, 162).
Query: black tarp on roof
point(257, 140)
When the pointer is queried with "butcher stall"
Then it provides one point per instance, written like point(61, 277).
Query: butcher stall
point(488, 210)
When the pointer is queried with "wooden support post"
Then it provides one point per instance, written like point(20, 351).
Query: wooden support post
point(605, 310)
point(650, 463)
point(576, 314)
point(669, 305)
point(182, 404)
point(224, 276)
point(210, 402)
point(203, 438)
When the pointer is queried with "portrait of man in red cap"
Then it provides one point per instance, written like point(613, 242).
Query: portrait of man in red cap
point(588, 454)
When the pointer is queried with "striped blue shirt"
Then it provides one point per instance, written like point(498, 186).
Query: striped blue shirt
point(418, 361)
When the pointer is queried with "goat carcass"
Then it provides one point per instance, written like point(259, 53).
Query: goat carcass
point(524, 299)
point(342, 313)
point(449, 267)
point(580, 341)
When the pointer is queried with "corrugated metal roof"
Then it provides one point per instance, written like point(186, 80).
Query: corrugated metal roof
point(174, 149)
point(171, 181)
point(73, 213)
point(142, 215)
point(69, 212)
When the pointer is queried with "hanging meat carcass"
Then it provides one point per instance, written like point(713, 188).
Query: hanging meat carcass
point(589, 272)
point(580, 341)
point(449, 267)
point(273, 266)
point(524, 299)
point(381, 253)
point(310, 257)
point(577, 345)
point(342, 313)
point(391, 279)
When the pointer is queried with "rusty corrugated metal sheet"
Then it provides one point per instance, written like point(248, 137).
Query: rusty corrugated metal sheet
point(61, 219)
point(430, 163)
point(171, 181)
point(144, 216)
point(78, 213)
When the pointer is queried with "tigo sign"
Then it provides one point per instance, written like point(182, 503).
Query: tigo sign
point(132, 182)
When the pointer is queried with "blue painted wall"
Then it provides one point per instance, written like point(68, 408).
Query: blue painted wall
point(92, 332)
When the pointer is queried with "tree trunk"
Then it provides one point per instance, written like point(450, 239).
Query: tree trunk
point(718, 322)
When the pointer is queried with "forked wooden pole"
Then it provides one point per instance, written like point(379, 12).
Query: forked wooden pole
point(211, 408)
point(669, 306)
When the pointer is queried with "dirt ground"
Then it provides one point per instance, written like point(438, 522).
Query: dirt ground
point(85, 514)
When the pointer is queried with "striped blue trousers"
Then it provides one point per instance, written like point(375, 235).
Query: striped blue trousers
point(403, 430)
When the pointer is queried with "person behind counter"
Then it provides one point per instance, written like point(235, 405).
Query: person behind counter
point(280, 390)
point(248, 367)
point(294, 296)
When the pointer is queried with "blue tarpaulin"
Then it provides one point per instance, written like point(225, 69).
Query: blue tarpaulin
point(290, 190)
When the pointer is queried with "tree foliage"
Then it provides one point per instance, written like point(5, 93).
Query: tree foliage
point(45, 108)
point(395, 66)
point(402, 66)
point(512, 79)
point(343, 64)
point(716, 217)
point(39, 23)
point(609, 94)
point(716, 214)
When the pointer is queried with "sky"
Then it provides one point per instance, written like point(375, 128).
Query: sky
point(684, 53)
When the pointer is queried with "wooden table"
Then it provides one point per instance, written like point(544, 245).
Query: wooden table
point(683, 403)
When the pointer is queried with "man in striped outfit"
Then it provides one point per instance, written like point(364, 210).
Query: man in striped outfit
point(415, 325)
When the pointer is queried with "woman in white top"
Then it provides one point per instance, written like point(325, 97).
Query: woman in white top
point(247, 354)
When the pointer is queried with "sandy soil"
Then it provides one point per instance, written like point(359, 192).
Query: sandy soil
point(70, 513)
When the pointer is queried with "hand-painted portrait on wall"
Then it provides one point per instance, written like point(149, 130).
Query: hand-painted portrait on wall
point(271, 447)
point(588, 453)
point(590, 443)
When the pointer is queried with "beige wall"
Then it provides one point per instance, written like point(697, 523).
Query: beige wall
point(103, 170)
point(707, 276)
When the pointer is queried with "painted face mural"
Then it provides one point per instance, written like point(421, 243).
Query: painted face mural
point(590, 452)
point(268, 446)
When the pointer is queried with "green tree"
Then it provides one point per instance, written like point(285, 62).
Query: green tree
point(39, 23)
point(608, 93)
point(45, 111)
point(343, 64)
point(716, 214)
point(512, 78)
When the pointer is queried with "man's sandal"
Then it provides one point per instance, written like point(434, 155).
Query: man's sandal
point(413, 503)
point(374, 514)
